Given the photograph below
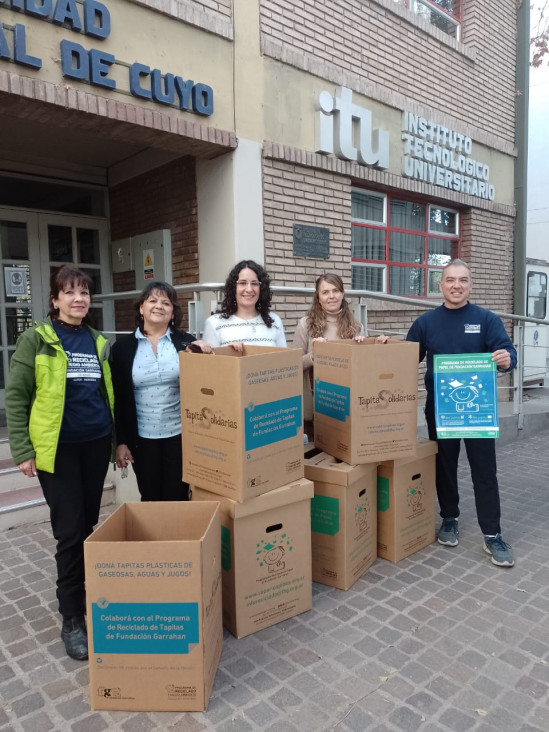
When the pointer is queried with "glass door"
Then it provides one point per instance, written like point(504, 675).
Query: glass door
point(21, 293)
point(31, 246)
point(83, 241)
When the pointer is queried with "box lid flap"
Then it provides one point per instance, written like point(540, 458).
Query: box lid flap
point(156, 521)
point(299, 490)
point(325, 468)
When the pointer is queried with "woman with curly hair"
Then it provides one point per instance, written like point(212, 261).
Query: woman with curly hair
point(245, 316)
point(329, 318)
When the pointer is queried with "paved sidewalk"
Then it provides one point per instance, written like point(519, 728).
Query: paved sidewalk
point(443, 640)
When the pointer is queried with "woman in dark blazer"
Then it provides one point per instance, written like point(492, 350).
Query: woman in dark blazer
point(147, 409)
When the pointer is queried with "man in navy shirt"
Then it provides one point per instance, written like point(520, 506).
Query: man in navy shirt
point(458, 326)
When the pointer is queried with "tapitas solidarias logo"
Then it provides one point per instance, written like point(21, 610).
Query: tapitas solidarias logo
point(414, 497)
point(272, 553)
point(384, 398)
point(205, 418)
point(362, 513)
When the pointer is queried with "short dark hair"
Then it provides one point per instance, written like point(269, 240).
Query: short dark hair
point(456, 263)
point(171, 294)
point(65, 275)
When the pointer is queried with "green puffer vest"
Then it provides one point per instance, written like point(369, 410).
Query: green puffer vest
point(37, 381)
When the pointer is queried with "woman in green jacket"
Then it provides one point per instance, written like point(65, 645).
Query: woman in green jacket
point(59, 403)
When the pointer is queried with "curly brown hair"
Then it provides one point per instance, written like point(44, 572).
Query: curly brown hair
point(263, 304)
point(347, 325)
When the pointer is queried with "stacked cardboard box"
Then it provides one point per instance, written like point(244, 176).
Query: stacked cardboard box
point(243, 446)
point(406, 503)
point(366, 414)
point(343, 518)
point(241, 420)
point(366, 399)
point(266, 556)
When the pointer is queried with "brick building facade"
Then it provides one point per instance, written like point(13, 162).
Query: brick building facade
point(383, 51)
point(388, 126)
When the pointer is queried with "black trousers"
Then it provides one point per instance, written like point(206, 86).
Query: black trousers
point(73, 493)
point(481, 455)
point(158, 466)
point(309, 429)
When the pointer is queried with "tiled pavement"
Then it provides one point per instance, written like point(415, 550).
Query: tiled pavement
point(440, 641)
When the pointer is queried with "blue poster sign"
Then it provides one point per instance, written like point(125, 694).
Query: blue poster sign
point(466, 402)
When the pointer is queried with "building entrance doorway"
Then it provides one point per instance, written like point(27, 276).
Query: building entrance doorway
point(32, 244)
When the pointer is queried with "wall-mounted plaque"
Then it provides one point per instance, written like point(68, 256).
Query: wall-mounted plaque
point(311, 241)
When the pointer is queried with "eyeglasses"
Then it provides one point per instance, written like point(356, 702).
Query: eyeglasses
point(245, 283)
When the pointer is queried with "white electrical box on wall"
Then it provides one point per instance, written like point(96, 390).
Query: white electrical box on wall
point(152, 257)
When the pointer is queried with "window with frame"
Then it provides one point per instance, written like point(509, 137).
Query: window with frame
point(443, 14)
point(536, 295)
point(399, 246)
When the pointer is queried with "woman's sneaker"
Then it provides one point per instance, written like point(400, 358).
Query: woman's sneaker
point(500, 551)
point(448, 532)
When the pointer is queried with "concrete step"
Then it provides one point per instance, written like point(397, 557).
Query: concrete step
point(10, 500)
point(27, 505)
point(11, 478)
point(5, 453)
point(21, 498)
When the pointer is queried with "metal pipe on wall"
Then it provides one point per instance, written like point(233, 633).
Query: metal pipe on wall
point(522, 80)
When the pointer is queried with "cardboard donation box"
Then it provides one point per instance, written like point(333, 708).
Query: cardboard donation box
point(406, 503)
point(266, 557)
point(343, 519)
point(241, 420)
point(153, 587)
point(365, 399)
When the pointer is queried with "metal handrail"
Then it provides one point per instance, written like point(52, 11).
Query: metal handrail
point(518, 321)
point(218, 287)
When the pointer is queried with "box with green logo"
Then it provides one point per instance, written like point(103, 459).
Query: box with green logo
point(265, 556)
point(406, 503)
point(343, 519)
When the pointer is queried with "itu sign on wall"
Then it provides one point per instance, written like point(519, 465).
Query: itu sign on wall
point(441, 156)
point(93, 65)
point(345, 129)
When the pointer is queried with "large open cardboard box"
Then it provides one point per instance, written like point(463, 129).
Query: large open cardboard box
point(266, 557)
point(242, 420)
point(406, 492)
point(366, 399)
point(153, 587)
point(343, 518)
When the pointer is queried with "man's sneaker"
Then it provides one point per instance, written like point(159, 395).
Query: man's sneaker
point(75, 637)
point(448, 532)
point(500, 551)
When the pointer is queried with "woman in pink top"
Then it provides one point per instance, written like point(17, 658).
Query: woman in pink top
point(329, 318)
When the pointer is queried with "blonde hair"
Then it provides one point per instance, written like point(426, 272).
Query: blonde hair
point(347, 326)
